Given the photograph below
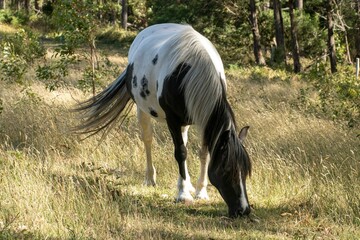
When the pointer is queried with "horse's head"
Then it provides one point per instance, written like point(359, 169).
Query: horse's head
point(229, 167)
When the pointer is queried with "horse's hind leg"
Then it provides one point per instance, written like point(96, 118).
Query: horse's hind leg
point(201, 192)
point(147, 135)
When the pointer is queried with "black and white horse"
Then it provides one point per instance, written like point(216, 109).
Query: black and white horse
point(176, 75)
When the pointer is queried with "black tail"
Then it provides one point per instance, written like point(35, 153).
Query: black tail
point(101, 111)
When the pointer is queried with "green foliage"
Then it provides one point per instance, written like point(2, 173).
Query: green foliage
point(17, 53)
point(139, 12)
point(104, 71)
point(312, 37)
point(338, 95)
point(6, 16)
point(12, 65)
point(117, 35)
point(225, 23)
point(76, 21)
point(266, 28)
point(14, 17)
point(53, 73)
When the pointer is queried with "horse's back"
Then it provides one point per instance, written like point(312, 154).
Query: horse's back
point(158, 51)
point(154, 36)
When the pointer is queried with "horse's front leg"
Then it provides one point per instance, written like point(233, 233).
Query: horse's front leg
point(147, 135)
point(187, 184)
point(201, 192)
point(184, 185)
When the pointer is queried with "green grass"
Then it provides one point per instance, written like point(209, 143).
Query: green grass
point(305, 182)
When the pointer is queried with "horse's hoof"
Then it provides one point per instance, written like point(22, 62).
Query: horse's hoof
point(185, 198)
point(149, 183)
point(202, 195)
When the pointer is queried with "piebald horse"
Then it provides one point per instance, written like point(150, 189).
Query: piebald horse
point(175, 75)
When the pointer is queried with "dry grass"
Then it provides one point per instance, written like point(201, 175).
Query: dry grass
point(6, 29)
point(305, 183)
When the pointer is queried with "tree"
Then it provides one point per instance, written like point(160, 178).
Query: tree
point(357, 37)
point(2, 4)
point(256, 34)
point(279, 33)
point(299, 4)
point(294, 39)
point(36, 5)
point(27, 6)
point(77, 20)
point(331, 38)
point(124, 14)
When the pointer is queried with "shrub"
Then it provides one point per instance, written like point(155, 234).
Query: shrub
point(5, 16)
point(17, 53)
point(338, 95)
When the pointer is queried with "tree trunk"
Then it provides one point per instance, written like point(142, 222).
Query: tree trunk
point(348, 54)
point(294, 39)
point(357, 39)
point(256, 34)
point(36, 5)
point(27, 6)
point(279, 33)
point(18, 5)
point(331, 38)
point(124, 14)
point(299, 4)
point(2, 4)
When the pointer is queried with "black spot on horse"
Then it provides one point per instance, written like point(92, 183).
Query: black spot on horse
point(173, 100)
point(144, 92)
point(153, 113)
point(134, 81)
point(154, 61)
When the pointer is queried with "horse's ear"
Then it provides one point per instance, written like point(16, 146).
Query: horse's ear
point(243, 133)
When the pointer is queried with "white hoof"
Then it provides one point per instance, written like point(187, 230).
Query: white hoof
point(185, 197)
point(202, 194)
point(150, 182)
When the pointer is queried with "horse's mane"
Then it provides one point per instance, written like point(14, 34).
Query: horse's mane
point(202, 84)
point(223, 142)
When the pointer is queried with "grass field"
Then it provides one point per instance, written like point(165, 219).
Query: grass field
point(305, 182)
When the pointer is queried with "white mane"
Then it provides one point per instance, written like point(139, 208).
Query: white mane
point(202, 84)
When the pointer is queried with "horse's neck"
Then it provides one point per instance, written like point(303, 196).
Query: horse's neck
point(220, 121)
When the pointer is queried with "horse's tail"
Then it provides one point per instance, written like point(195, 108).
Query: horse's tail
point(101, 111)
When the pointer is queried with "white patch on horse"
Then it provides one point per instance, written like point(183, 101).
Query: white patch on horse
point(243, 201)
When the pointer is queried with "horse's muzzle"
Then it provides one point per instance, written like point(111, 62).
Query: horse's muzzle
point(239, 212)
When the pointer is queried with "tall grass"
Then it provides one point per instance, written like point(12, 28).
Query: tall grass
point(305, 181)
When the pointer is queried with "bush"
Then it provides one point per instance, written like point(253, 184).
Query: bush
point(17, 53)
point(6, 16)
point(337, 95)
point(16, 18)
point(115, 34)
